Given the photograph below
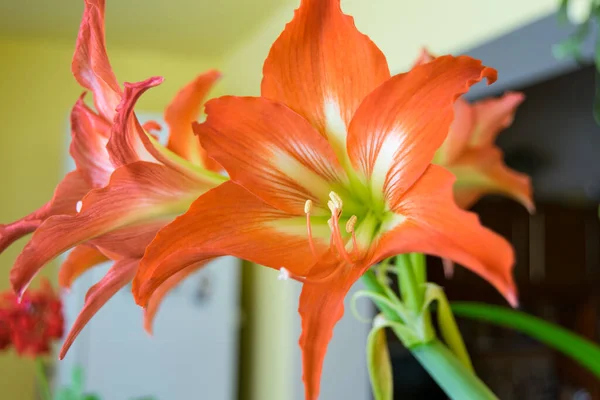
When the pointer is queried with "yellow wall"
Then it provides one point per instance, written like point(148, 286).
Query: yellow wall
point(37, 91)
point(400, 28)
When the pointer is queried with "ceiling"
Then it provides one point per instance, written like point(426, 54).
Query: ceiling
point(208, 26)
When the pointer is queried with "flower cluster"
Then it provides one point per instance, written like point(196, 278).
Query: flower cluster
point(31, 324)
point(336, 166)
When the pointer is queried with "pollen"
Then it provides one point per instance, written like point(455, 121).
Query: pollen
point(78, 206)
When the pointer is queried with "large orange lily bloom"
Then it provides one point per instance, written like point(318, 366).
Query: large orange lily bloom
point(134, 185)
point(330, 173)
point(469, 151)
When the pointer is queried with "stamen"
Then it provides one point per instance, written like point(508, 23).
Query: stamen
point(350, 229)
point(311, 243)
point(337, 238)
point(336, 199)
point(332, 207)
point(285, 274)
point(350, 224)
point(307, 206)
point(78, 206)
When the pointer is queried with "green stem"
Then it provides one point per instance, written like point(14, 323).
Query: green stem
point(458, 382)
point(43, 384)
point(409, 289)
point(418, 263)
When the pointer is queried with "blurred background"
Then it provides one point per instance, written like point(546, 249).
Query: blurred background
point(232, 332)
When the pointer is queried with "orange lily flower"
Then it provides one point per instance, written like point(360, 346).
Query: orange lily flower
point(470, 154)
point(330, 173)
point(135, 185)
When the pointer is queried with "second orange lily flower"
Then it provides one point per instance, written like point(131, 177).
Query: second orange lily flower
point(126, 185)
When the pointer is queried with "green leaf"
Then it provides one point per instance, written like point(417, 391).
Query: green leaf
point(458, 382)
point(447, 324)
point(378, 360)
point(581, 350)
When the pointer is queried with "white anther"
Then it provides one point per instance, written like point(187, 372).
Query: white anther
point(332, 207)
point(350, 224)
point(307, 206)
point(78, 206)
point(336, 199)
point(284, 274)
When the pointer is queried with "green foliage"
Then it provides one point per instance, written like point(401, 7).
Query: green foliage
point(579, 349)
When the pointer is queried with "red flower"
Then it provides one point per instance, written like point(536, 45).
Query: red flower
point(31, 324)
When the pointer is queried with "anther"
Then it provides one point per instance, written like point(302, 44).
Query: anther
point(78, 206)
point(350, 224)
point(284, 274)
point(336, 199)
point(350, 229)
point(307, 206)
point(332, 207)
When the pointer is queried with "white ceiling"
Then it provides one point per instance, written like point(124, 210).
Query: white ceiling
point(208, 26)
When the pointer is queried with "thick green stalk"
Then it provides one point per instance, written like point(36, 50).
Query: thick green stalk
point(409, 288)
point(420, 269)
point(43, 384)
point(458, 382)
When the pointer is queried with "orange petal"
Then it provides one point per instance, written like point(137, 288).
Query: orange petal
point(494, 115)
point(228, 220)
point(90, 65)
point(164, 289)
point(81, 259)
point(115, 279)
point(459, 134)
point(151, 127)
point(270, 150)
point(89, 136)
point(322, 67)
point(129, 142)
point(482, 171)
point(66, 195)
point(138, 193)
point(424, 57)
point(430, 222)
point(126, 144)
point(321, 307)
point(399, 127)
point(130, 241)
point(185, 109)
